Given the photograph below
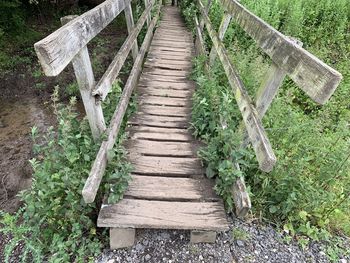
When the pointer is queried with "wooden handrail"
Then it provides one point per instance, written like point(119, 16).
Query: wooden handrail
point(98, 168)
point(313, 76)
point(105, 83)
point(57, 50)
point(256, 132)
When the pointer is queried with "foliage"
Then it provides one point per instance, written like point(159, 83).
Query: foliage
point(308, 191)
point(55, 223)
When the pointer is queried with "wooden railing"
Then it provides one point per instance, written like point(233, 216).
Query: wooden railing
point(314, 77)
point(68, 44)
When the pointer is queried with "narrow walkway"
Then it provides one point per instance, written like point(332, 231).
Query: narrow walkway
point(169, 189)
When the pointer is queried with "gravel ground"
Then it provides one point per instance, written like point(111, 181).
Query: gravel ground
point(244, 242)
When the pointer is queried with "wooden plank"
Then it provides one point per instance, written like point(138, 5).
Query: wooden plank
point(98, 168)
point(164, 101)
point(156, 48)
point(159, 121)
point(161, 78)
point(172, 44)
point(162, 148)
point(149, 71)
point(182, 63)
point(170, 66)
point(313, 76)
point(59, 48)
point(164, 92)
point(86, 82)
point(105, 84)
point(256, 132)
point(168, 84)
point(130, 26)
point(159, 134)
point(165, 166)
point(164, 215)
point(170, 189)
point(164, 110)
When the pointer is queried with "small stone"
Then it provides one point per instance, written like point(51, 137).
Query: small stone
point(139, 247)
point(111, 261)
point(147, 257)
point(2, 125)
point(240, 243)
point(343, 260)
point(201, 257)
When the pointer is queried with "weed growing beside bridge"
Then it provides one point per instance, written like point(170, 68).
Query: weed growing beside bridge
point(55, 223)
point(308, 191)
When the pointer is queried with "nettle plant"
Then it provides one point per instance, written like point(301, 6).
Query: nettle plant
point(307, 193)
point(55, 224)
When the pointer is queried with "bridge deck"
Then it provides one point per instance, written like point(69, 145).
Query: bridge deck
point(169, 189)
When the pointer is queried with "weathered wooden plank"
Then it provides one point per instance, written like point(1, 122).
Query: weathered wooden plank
point(312, 75)
point(164, 215)
point(86, 82)
point(162, 148)
point(98, 168)
point(130, 26)
point(159, 121)
point(169, 111)
point(165, 166)
point(59, 48)
point(241, 198)
point(169, 84)
point(159, 134)
point(153, 76)
point(105, 84)
point(173, 44)
point(149, 72)
point(225, 22)
point(164, 101)
point(171, 66)
point(164, 92)
point(170, 56)
point(256, 132)
point(180, 63)
point(156, 48)
point(170, 189)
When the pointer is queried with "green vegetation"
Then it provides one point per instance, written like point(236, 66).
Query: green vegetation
point(55, 223)
point(308, 191)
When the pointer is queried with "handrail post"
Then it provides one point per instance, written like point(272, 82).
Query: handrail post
point(146, 2)
point(222, 30)
point(86, 82)
point(270, 85)
point(130, 25)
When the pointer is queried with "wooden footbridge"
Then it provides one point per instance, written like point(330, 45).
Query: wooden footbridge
point(169, 189)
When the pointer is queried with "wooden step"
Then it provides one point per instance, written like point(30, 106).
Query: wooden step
point(165, 166)
point(162, 148)
point(132, 213)
point(162, 110)
point(170, 189)
point(141, 119)
point(159, 134)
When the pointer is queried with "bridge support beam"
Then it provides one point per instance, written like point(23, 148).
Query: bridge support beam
point(202, 237)
point(121, 237)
